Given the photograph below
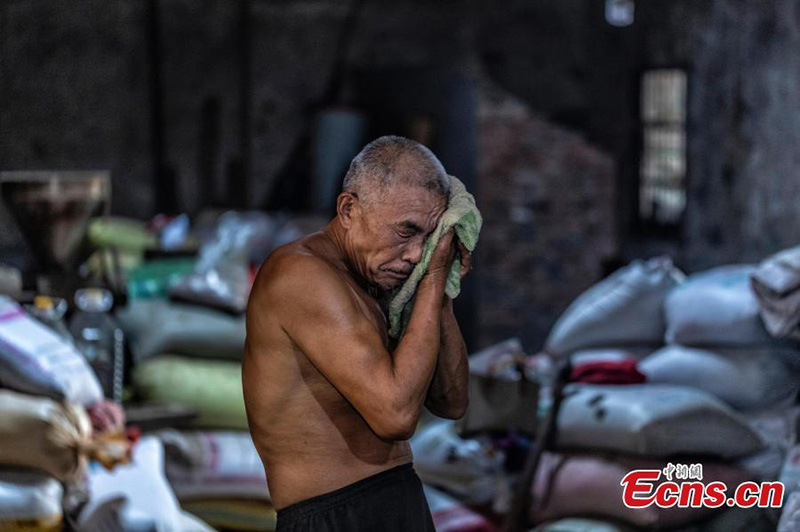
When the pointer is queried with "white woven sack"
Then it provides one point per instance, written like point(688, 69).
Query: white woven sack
point(745, 378)
point(651, 420)
point(625, 309)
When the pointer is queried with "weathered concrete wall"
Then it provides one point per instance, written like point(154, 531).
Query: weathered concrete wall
point(744, 156)
point(547, 201)
point(75, 92)
point(200, 75)
point(294, 58)
point(743, 65)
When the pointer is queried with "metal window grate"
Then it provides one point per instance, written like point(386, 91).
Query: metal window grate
point(662, 185)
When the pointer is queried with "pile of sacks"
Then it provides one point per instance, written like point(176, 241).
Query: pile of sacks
point(718, 389)
point(457, 474)
point(53, 422)
point(189, 355)
point(186, 331)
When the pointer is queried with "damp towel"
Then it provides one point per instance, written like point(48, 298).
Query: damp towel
point(463, 215)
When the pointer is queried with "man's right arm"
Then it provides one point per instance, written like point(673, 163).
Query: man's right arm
point(321, 315)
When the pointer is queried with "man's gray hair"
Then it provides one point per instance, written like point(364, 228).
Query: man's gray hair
point(393, 160)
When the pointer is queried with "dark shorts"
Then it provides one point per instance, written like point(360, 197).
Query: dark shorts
point(389, 501)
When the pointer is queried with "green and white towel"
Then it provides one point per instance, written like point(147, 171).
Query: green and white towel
point(463, 215)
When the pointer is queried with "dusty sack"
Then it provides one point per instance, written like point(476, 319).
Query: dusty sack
point(625, 309)
point(610, 354)
point(778, 427)
point(36, 360)
point(574, 524)
point(567, 486)
point(40, 433)
point(501, 396)
point(651, 420)
point(715, 308)
point(30, 501)
point(156, 326)
point(776, 285)
point(212, 387)
point(213, 465)
point(468, 468)
point(745, 378)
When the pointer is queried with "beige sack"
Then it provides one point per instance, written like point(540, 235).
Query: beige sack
point(54, 437)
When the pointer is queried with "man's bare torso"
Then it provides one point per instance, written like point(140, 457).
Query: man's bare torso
point(310, 438)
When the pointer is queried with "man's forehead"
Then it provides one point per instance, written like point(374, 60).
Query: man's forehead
point(413, 208)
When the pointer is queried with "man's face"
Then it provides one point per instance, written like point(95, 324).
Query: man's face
point(387, 235)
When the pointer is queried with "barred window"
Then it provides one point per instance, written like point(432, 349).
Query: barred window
point(662, 170)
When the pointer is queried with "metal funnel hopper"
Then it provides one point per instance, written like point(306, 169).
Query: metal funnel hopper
point(52, 211)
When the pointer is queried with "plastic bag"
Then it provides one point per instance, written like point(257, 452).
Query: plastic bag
point(156, 326)
point(136, 497)
point(212, 387)
point(221, 277)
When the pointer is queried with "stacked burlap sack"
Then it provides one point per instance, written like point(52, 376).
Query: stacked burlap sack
point(190, 355)
point(776, 285)
point(187, 331)
point(719, 390)
point(46, 434)
point(135, 497)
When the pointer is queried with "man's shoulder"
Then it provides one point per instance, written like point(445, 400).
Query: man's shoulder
point(295, 270)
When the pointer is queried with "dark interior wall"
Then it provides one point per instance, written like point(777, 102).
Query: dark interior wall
point(200, 75)
point(74, 94)
point(546, 196)
point(574, 69)
point(744, 195)
point(76, 91)
point(294, 47)
point(743, 153)
point(295, 68)
point(744, 83)
point(538, 50)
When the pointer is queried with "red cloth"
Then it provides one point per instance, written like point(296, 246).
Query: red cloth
point(617, 372)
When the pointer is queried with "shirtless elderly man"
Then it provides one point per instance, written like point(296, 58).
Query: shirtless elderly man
point(331, 399)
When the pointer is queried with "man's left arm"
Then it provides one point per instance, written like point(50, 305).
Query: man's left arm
point(447, 395)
